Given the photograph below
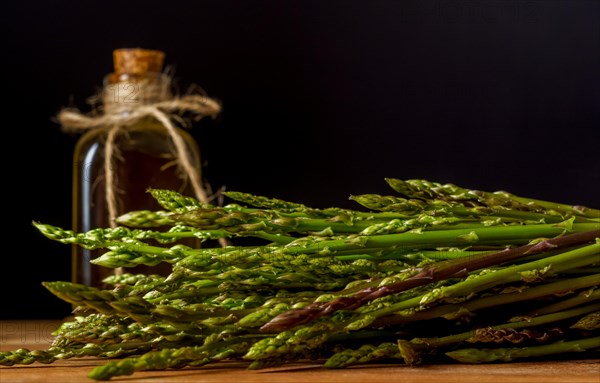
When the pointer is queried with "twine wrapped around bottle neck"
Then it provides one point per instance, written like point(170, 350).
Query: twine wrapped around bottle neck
point(124, 104)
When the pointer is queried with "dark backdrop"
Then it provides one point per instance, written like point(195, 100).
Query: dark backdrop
point(322, 99)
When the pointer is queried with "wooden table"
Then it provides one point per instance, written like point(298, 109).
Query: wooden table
point(35, 334)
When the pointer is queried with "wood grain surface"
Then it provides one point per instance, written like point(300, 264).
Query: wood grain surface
point(35, 334)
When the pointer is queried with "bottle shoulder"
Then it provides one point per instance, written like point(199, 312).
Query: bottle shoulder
point(146, 136)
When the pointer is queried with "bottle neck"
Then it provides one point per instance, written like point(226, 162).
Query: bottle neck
point(123, 93)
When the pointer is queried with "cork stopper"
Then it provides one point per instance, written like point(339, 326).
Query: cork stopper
point(137, 61)
point(137, 79)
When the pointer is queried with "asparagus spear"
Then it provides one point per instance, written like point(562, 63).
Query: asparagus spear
point(426, 190)
point(173, 358)
point(473, 355)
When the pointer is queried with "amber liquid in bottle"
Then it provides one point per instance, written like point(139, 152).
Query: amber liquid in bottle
point(143, 158)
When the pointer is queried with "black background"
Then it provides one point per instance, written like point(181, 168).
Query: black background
point(322, 99)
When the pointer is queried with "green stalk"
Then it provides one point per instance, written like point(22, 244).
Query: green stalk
point(487, 355)
point(455, 237)
point(401, 205)
point(581, 298)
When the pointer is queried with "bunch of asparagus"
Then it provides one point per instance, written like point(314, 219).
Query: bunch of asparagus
point(434, 273)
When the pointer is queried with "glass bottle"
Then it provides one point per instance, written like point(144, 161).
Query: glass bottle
point(142, 157)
